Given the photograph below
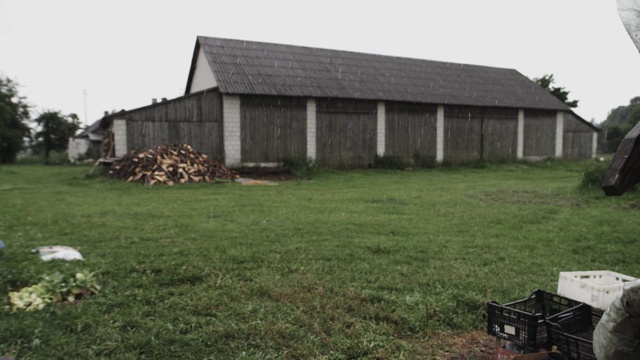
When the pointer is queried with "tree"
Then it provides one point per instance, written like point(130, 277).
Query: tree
point(618, 123)
point(55, 131)
point(559, 92)
point(14, 117)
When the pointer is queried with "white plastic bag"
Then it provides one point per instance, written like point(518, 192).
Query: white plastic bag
point(48, 253)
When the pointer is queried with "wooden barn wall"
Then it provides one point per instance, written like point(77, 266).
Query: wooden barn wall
point(273, 128)
point(539, 133)
point(410, 129)
point(193, 119)
point(500, 134)
point(578, 138)
point(462, 128)
point(346, 133)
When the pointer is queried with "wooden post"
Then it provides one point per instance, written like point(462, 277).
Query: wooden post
point(381, 128)
point(482, 134)
point(120, 137)
point(311, 129)
point(559, 133)
point(624, 169)
point(231, 129)
point(520, 150)
point(440, 134)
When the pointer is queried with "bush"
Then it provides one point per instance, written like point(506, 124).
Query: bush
point(594, 174)
point(302, 168)
point(55, 158)
point(423, 162)
point(389, 162)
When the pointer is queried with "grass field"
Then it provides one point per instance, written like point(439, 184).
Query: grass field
point(360, 264)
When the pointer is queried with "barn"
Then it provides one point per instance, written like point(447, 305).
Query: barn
point(252, 103)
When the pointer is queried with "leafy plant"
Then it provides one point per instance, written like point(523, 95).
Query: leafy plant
point(54, 288)
point(31, 298)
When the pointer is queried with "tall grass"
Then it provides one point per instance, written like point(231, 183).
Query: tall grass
point(359, 264)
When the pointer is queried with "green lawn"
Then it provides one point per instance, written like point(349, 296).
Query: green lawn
point(360, 264)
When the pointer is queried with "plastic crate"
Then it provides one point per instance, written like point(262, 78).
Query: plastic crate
point(571, 331)
point(522, 321)
point(595, 288)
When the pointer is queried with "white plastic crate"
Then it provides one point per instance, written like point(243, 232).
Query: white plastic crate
point(596, 288)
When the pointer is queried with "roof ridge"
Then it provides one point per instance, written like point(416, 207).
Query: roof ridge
point(262, 68)
point(355, 52)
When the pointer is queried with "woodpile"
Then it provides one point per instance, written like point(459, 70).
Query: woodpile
point(169, 164)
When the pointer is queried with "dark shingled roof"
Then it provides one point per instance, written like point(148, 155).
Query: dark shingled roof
point(247, 67)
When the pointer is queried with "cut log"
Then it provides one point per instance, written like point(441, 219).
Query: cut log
point(169, 164)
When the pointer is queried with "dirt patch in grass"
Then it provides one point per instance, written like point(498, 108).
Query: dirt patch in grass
point(474, 345)
point(267, 173)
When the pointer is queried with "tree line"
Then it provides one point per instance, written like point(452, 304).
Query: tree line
point(618, 123)
point(49, 131)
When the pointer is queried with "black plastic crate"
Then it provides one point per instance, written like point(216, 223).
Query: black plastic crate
point(572, 331)
point(522, 321)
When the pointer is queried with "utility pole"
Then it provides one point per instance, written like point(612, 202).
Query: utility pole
point(86, 120)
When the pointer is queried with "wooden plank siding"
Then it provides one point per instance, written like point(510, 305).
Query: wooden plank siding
point(346, 133)
point(578, 138)
point(194, 119)
point(539, 133)
point(500, 134)
point(410, 129)
point(462, 129)
point(273, 128)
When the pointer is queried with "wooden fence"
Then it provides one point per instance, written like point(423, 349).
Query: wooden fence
point(539, 133)
point(462, 134)
point(578, 138)
point(410, 130)
point(195, 119)
point(346, 133)
point(273, 128)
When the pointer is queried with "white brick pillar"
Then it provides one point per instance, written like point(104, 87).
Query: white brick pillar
point(594, 148)
point(119, 129)
point(559, 133)
point(311, 129)
point(520, 150)
point(231, 129)
point(382, 126)
point(440, 134)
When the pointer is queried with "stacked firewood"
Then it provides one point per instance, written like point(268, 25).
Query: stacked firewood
point(169, 164)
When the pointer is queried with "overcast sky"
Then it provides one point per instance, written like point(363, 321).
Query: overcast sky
point(121, 54)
